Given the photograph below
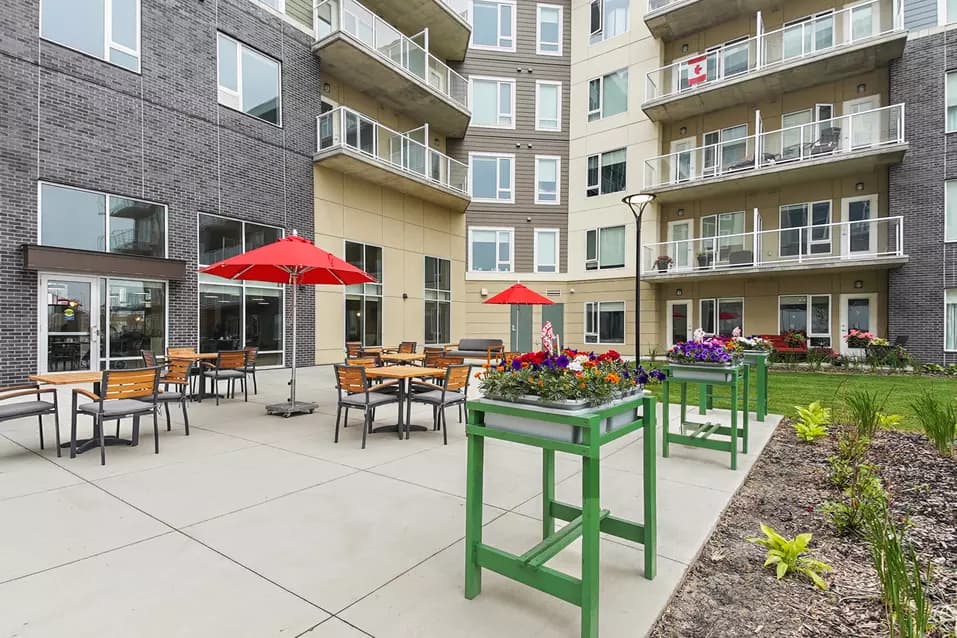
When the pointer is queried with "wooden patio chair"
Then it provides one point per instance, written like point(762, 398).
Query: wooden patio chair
point(352, 349)
point(355, 393)
point(453, 391)
point(407, 347)
point(178, 376)
point(38, 408)
point(252, 353)
point(230, 366)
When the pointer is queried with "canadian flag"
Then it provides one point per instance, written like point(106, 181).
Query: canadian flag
point(697, 70)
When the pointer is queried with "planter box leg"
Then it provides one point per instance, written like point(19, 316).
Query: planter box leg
point(747, 407)
point(548, 492)
point(473, 514)
point(734, 426)
point(665, 416)
point(590, 546)
point(649, 463)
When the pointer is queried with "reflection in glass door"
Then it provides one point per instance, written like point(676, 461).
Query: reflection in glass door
point(133, 314)
point(858, 312)
point(69, 324)
point(682, 246)
point(679, 322)
point(860, 234)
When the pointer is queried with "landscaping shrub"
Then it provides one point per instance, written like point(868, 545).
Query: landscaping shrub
point(863, 495)
point(865, 410)
point(939, 420)
point(812, 422)
point(790, 556)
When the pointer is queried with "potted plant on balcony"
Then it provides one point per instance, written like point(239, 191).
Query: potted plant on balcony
point(705, 258)
point(663, 263)
point(707, 360)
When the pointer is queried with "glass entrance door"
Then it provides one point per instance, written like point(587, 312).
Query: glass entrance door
point(679, 322)
point(69, 324)
point(858, 312)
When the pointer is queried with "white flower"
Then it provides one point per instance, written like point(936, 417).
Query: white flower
point(575, 366)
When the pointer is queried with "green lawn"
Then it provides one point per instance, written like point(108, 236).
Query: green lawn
point(787, 389)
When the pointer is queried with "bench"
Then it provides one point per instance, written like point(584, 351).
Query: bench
point(780, 345)
point(477, 349)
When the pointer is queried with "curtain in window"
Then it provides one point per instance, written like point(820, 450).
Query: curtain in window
point(612, 243)
point(950, 319)
point(616, 93)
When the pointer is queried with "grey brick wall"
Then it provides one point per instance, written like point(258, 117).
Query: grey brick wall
point(160, 135)
point(916, 186)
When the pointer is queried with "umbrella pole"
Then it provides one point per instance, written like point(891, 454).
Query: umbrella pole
point(295, 312)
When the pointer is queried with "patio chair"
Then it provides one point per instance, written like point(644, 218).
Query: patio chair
point(123, 393)
point(352, 349)
point(178, 375)
point(195, 369)
point(355, 393)
point(38, 408)
point(375, 355)
point(453, 391)
point(230, 366)
point(829, 140)
point(252, 353)
point(407, 347)
point(900, 341)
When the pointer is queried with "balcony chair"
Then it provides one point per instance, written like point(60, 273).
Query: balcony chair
point(355, 393)
point(829, 141)
point(453, 391)
point(38, 408)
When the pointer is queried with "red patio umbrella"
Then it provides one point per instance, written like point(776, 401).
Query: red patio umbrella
point(292, 260)
point(519, 295)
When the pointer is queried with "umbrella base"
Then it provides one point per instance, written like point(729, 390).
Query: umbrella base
point(288, 408)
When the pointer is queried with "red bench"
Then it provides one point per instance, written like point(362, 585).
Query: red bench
point(780, 345)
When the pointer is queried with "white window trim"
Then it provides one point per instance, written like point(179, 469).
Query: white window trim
point(238, 93)
point(947, 229)
point(558, 180)
point(717, 311)
point(585, 333)
point(281, 8)
point(498, 104)
point(485, 47)
point(538, 102)
point(425, 299)
point(108, 42)
point(601, 95)
point(561, 29)
point(599, 36)
point(511, 248)
point(947, 97)
point(497, 156)
point(809, 211)
point(807, 305)
point(597, 230)
point(945, 320)
point(598, 185)
point(558, 243)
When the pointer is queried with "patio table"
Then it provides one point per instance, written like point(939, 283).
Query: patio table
point(195, 358)
point(402, 357)
point(403, 374)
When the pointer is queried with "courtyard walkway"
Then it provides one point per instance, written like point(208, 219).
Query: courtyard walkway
point(260, 526)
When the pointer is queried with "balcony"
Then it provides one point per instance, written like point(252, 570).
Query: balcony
point(819, 49)
point(354, 144)
point(670, 19)
point(845, 145)
point(363, 50)
point(447, 21)
point(854, 245)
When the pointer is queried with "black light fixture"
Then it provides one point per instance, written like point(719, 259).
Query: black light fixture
point(858, 283)
point(637, 202)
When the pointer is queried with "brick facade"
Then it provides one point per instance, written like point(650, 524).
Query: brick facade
point(160, 135)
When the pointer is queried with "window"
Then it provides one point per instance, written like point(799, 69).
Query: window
point(549, 34)
point(951, 101)
point(608, 95)
point(808, 35)
point(278, 5)
point(605, 322)
point(726, 150)
point(726, 230)
point(364, 301)
point(606, 173)
point(132, 319)
point(248, 80)
point(608, 19)
point(605, 248)
point(235, 314)
point(795, 135)
point(950, 319)
point(547, 179)
point(546, 250)
point(493, 102)
point(721, 316)
point(438, 300)
point(948, 11)
point(548, 106)
point(808, 313)
point(950, 211)
point(493, 25)
point(88, 220)
point(490, 249)
point(492, 177)
point(811, 234)
point(106, 29)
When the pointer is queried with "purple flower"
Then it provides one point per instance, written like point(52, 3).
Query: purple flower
point(642, 378)
point(658, 375)
point(562, 361)
point(516, 364)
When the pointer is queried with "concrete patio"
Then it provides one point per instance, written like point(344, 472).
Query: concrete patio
point(261, 526)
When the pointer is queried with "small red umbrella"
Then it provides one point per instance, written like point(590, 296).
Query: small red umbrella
point(292, 260)
point(521, 295)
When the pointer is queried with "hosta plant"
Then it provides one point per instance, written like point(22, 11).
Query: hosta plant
point(791, 556)
point(812, 421)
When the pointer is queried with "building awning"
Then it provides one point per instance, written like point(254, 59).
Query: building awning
point(50, 258)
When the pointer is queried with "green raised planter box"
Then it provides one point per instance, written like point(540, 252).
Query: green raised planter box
point(558, 432)
point(702, 372)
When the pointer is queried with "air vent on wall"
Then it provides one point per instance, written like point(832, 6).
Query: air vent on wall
point(553, 293)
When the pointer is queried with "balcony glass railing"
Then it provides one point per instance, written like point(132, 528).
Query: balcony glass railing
point(459, 8)
point(343, 127)
point(655, 5)
point(810, 36)
point(380, 37)
point(878, 238)
point(847, 134)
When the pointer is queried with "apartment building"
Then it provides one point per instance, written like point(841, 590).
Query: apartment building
point(777, 127)
point(141, 140)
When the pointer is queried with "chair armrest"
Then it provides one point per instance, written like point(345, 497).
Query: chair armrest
point(26, 392)
point(426, 384)
point(381, 386)
point(86, 393)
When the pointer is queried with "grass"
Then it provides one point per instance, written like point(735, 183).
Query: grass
point(787, 389)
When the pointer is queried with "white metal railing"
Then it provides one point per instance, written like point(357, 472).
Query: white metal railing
point(655, 5)
point(877, 238)
point(854, 133)
point(810, 36)
point(348, 16)
point(343, 127)
point(459, 8)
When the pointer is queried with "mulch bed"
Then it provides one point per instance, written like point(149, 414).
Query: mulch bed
point(727, 592)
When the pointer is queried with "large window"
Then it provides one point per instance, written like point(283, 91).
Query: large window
point(948, 9)
point(546, 250)
point(608, 95)
point(726, 150)
point(721, 316)
point(248, 80)
point(608, 18)
point(549, 34)
point(605, 248)
point(106, 29)
point(548, 106)
point(492, 177)
point(726, 234)
point(606, 173)
point(493, 25)
point(548, 170)
point(950, 210)
point(950, 319)
point(810, 314)
point(87, 220)
point(811, 234)
point(132, 319)
point(364, 301)
point(235, 314)
point(438, 300)
point(493, 102)
point(490, 249)
point(605, 322)
point(951, 101)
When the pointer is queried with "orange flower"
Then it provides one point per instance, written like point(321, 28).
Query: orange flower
point(611, 377)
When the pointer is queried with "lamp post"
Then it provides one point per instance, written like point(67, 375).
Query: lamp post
point(637, 203)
